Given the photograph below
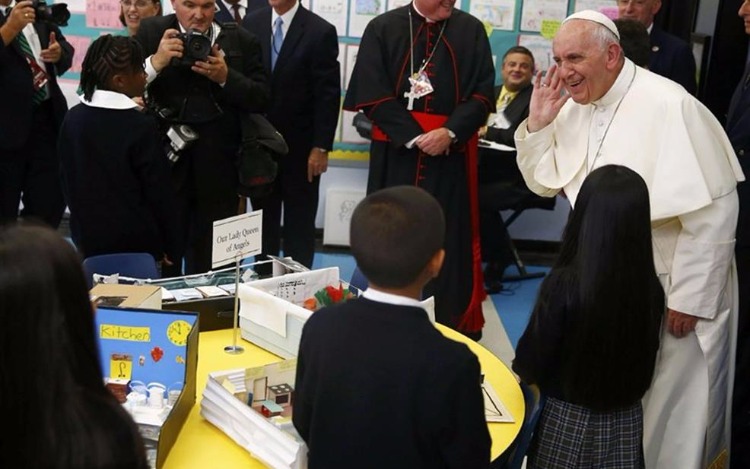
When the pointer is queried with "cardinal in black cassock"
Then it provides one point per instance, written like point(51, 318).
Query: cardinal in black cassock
point(452, 57)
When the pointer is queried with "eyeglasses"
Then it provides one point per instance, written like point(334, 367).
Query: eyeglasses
point(137, 3)
point(639, 3)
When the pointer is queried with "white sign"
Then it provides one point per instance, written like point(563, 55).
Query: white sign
point(237, 237)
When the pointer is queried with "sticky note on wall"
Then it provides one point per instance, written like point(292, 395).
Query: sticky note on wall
point(103, 14)
point(81, 45)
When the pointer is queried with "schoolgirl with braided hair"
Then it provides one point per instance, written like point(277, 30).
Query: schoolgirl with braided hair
point(109, 57)
point(115, 174)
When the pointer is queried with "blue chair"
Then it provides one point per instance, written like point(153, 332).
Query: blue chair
point(512, 458)
point(359, 281)
point(128, 264)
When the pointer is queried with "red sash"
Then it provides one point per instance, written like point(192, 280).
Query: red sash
point(472, 319)
point(426, 121)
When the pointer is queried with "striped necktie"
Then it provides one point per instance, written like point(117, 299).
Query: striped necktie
point(40, 94)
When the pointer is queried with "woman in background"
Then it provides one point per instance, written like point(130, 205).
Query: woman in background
point(133, 11)
point(592, 339)
point(51, 386)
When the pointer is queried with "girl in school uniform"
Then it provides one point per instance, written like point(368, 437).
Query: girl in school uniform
point(115, 174)
point(592, 339)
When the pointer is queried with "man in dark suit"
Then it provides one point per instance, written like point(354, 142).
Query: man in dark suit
point(738, 131)
point(501, 185)
point(236, 10)
point(209, 96)
point(671, 57)
point(305, 97)
point(32, 55)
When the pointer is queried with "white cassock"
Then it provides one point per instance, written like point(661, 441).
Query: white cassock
point(653, 126)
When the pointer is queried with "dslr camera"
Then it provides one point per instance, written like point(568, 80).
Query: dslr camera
point(196, 47)
point(56, 14)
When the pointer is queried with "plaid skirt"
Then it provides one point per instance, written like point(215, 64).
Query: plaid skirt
point(572, 436)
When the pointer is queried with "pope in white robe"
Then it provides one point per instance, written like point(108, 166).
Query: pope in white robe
point(623, 114)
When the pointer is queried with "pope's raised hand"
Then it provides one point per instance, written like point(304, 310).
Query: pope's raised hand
point(547, 98)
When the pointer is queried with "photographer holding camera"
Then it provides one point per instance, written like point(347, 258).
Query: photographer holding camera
point(33, 53)
point(202, 76)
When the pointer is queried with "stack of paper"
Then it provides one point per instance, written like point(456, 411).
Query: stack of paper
point(231, 401)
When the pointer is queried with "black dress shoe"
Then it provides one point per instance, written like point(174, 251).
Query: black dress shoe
point(493, 286)
point(493, 277)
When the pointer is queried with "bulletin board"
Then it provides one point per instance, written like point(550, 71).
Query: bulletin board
point(530, 23)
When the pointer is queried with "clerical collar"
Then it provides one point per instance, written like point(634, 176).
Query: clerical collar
point(109, 100)
point(620, 86)
point(421, 14)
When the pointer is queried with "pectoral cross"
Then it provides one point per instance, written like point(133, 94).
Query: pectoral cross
point(412, 95)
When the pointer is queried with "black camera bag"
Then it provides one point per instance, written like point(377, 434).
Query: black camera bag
point(262, 146)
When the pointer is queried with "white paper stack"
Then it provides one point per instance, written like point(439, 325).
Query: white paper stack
point(276, 447)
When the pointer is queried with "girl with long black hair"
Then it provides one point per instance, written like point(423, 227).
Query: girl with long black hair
point(592, 339)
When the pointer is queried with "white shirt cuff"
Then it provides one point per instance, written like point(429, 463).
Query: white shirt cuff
point(410, 143)
point(151, 72)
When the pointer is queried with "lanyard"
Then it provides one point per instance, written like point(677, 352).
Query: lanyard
point(411, 46)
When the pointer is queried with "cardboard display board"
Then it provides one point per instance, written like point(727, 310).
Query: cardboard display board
point(149, 347)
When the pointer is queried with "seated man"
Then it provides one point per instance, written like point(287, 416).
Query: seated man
point(377, 385)
point(500, 183)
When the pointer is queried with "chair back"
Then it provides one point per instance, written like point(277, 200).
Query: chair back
point(129, 264)
point(513, 457)
point(359, 281)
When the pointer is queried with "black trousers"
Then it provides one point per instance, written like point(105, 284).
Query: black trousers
point(31, 173)
point(205, 184)
point(299, 199)
point(501, 187)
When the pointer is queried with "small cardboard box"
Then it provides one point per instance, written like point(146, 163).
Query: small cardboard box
point(152, 346)
point(126, 296)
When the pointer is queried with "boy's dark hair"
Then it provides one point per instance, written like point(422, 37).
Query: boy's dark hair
point(394, 233)
point(107, 56)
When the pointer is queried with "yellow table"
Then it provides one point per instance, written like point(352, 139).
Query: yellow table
point(202, 445)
